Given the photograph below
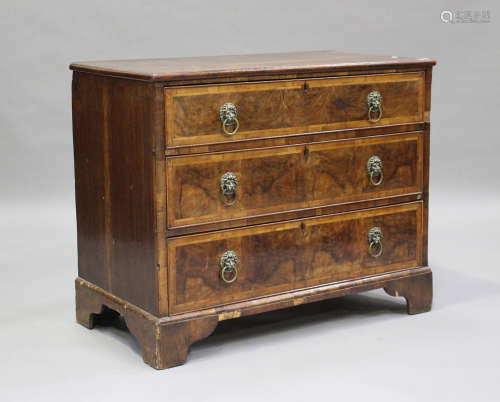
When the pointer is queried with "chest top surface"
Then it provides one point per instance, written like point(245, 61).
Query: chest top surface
point(236, 65)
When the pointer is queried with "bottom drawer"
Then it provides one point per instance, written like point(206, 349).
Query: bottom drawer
point(208, 270)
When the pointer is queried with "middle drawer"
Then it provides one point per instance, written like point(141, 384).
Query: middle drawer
point(238, 184)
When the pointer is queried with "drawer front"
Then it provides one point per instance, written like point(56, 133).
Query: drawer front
point(270, 109)
point(291, 255)
point(288, 178)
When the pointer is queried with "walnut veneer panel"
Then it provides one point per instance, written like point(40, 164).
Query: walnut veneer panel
point(292, 255)
point(287, 178)
point(270, 109)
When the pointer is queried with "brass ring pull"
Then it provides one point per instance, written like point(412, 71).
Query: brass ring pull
point(374, 104)
point(371, 110)
point(228, 202)
point(380, 178)
point(374, 168)
point(375, 246)
point(227, 123)
point(228, 188)
point(228, 116)
point(229, 265)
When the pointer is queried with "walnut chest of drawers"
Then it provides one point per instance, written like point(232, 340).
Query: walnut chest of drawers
point(216, 187)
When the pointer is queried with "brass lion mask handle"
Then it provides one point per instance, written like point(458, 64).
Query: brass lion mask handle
point(229, 188)
point(229, 266)
point(374, 168)
point(375, 247)
point(229, 117)
point(374, 105)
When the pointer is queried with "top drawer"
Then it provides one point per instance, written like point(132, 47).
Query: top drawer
point(277, 108)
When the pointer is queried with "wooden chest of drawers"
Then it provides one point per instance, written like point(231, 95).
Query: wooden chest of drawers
point(216, 187)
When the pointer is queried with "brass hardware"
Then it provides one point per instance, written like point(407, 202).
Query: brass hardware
point(375, 246)
point(374, 168)
point(229, 264)
point(228, 116)
point(228, 187)
point(374, 104)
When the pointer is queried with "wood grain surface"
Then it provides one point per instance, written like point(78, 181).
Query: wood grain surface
point(149, 153)
point(291, 255)
point(178, 68)
point(287, 178)
point(113, 122)
point(270, 109)
point(296, 139)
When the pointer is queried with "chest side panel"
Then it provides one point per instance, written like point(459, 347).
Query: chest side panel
point(114, 173)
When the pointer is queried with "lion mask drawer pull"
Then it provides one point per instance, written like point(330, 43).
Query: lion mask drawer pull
point(374, 104)
point(229, 266)
point(374, 168)
point(228, 188)
point(375, 246)
point(228, 116)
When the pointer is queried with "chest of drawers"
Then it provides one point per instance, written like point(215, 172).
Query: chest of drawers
point(216, 187)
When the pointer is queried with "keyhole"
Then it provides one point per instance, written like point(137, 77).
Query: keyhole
point(306, 152)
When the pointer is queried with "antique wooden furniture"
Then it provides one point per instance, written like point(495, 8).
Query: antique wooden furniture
point(216, 187)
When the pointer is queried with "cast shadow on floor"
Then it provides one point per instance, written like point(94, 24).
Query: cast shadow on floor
point(354, 311)
point(352, 308)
